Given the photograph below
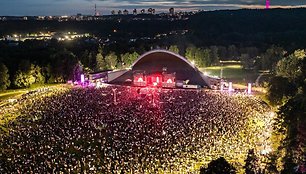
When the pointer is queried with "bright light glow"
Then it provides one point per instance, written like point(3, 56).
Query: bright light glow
point(169, 81)
point(140, 80)
point(249, 88)
point(265, 151)
point(267, 4)
point(12, 100)
point(230, 87)
point(82, 78)
point(193, 62)
point(157, 79)
point(98, 84)
point(154, 84)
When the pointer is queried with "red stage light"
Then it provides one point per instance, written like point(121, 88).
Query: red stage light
point(157, 79)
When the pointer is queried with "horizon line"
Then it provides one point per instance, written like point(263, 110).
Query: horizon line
point(254, 7)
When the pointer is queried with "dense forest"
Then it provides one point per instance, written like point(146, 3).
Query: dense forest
point(259, 28)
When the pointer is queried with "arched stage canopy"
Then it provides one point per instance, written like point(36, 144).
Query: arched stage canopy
point(158, 60)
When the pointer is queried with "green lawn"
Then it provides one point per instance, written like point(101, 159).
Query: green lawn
point(234, 73)
point(13, 93)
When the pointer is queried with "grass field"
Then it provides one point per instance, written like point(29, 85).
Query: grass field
point(14, 93)
point(10, 111)
point(232, 72)
point(11, 94)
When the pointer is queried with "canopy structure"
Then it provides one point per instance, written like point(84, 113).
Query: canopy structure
point(159, 61)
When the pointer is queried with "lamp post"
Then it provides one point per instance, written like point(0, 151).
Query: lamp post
point(267, 4)
point(115, 97)
point(249, 88)
point(221, 75)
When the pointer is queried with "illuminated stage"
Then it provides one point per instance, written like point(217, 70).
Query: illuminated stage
point(161, 68)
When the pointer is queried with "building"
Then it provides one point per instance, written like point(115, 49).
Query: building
point(125, 12)
point(160, 68)
point(171, 11)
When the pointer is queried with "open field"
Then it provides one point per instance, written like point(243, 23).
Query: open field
point(232, 72)
point(15, 93)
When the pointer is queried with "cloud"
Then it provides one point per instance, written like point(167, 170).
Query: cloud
point(197, 3)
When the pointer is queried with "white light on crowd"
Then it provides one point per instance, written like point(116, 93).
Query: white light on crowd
point(249, 88)
point(82, 78)
point(230, 87)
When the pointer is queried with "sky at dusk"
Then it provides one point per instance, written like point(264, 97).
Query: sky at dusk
point(71, 7)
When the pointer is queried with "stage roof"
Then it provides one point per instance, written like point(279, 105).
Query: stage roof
point(157, 60)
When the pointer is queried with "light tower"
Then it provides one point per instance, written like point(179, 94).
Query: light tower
point(95, 9)
point(96, 12)
point(267, 4)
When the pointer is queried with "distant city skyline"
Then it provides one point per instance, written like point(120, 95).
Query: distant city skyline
point(86, 7)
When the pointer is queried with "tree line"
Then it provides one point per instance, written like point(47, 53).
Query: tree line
point(39, 62)
point(287, 91)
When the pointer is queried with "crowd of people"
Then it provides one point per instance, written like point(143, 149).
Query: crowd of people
point(126, 130)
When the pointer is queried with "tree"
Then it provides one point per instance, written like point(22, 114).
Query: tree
point(293, 119)
point(23, 80)
point(222, 51)
point(88, 60)
point(247, 61)
point(174, 49)
point(201, 57)
point(77, 71)
point(290, 66)
point(291, 115)
point(251, 162)
point(190, 53)
point(252, 51)
point(218, 166)
point(62, 66)
point(129, 58)
point(111, 60)
point(100, 62)
point(4, 77)
point(26, 78)
point(270, 58)
point(36, 72)
point(24, 66)
point(280, 89)
point(232, 52)
point(214, 56)
point(207, 57)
